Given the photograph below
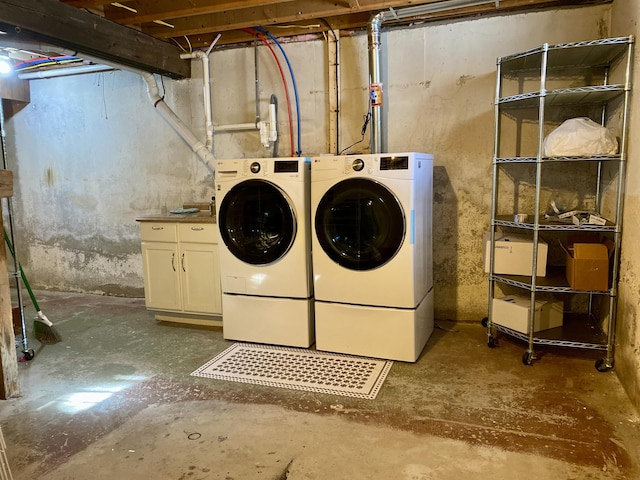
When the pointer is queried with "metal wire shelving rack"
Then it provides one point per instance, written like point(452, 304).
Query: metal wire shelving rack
point(535, 91)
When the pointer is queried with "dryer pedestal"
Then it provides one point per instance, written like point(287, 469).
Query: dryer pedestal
point(278, 321)
point(380, 332)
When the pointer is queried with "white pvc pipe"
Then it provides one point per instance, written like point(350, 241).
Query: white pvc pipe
point(236, 127)
point(273, 123)
point(204, 56)
point(196, 145)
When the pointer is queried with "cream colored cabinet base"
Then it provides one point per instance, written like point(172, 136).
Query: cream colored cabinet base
point(181, 272)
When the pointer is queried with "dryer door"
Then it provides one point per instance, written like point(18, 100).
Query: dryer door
point(360, 224)
point(257, 222)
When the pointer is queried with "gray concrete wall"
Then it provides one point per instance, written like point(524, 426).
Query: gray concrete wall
point(625, 21)
point(90, 154)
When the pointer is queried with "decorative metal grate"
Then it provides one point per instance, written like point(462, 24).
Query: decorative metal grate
point(298, 369)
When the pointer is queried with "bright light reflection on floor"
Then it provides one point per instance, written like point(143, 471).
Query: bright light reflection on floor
point(87, 398)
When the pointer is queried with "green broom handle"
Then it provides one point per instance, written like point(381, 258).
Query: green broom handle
point(24, 277)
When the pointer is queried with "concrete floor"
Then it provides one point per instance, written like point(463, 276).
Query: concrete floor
point(115, 400)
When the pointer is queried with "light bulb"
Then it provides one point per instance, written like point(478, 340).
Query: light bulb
point(5, 66)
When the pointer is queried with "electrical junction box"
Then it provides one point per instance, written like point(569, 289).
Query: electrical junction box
point(513, 312)
point(513, 255)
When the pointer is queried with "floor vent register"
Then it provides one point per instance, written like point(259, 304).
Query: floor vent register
point(298, 369)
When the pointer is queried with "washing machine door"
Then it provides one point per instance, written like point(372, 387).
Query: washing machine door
point(257, 222)
point(360, 224)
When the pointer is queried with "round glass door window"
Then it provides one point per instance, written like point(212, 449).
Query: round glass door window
point(257, 222)
point(360, 224)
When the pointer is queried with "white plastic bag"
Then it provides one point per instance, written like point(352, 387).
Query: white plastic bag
point(580, 136)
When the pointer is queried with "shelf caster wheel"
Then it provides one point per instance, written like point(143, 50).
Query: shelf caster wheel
point(485, 322)
point(491, 342)
point(29, 354)
point(527, 358)
point(603, 366)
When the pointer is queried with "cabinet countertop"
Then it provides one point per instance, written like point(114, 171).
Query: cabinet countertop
point(202, 216)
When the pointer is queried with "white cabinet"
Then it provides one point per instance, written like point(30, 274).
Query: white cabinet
point(181, 271)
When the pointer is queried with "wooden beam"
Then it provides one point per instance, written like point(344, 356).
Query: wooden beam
point(6, 186)
point(9, 386)
point(78, 30)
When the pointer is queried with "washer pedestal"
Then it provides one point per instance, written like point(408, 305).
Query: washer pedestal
point(278, 321)
point(387, 333)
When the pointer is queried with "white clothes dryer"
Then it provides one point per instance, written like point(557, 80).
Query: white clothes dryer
point(372, 253)
point(262, 208)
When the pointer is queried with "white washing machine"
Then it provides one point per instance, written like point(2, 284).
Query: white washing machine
point(262, 208)
point(372, 253)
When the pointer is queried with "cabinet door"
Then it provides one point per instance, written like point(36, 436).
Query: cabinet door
point(160, 265)
point(200, 278)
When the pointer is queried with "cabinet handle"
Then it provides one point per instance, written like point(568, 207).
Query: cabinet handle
point(157, 228)
point(173, 261)
point(182, 262)
point(197, 229)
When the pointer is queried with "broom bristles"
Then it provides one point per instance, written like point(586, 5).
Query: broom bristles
point(45, 332)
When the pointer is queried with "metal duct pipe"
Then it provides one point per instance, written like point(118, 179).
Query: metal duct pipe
point(375, 82)
point(375, 45)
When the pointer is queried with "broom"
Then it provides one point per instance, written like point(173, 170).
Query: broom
point(44, 331)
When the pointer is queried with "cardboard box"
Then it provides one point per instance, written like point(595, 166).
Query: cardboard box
point(587, 266)
point(514, 254)
point(513, 312)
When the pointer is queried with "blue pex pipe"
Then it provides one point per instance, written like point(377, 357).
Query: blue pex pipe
point(293, 81)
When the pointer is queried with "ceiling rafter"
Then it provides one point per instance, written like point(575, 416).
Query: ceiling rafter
point(157, 30)
point(177, 19)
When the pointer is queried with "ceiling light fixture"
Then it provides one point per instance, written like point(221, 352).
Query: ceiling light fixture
point(5, 65)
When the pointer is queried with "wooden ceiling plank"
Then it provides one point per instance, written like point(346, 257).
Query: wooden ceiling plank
point(148, 10)
point(76, 29)
point(282, 12)
point(305, 10)
point(360, 20)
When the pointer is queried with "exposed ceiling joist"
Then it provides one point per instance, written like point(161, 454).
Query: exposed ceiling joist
point(194, 23)
point(151, 34)
point(75, 29)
